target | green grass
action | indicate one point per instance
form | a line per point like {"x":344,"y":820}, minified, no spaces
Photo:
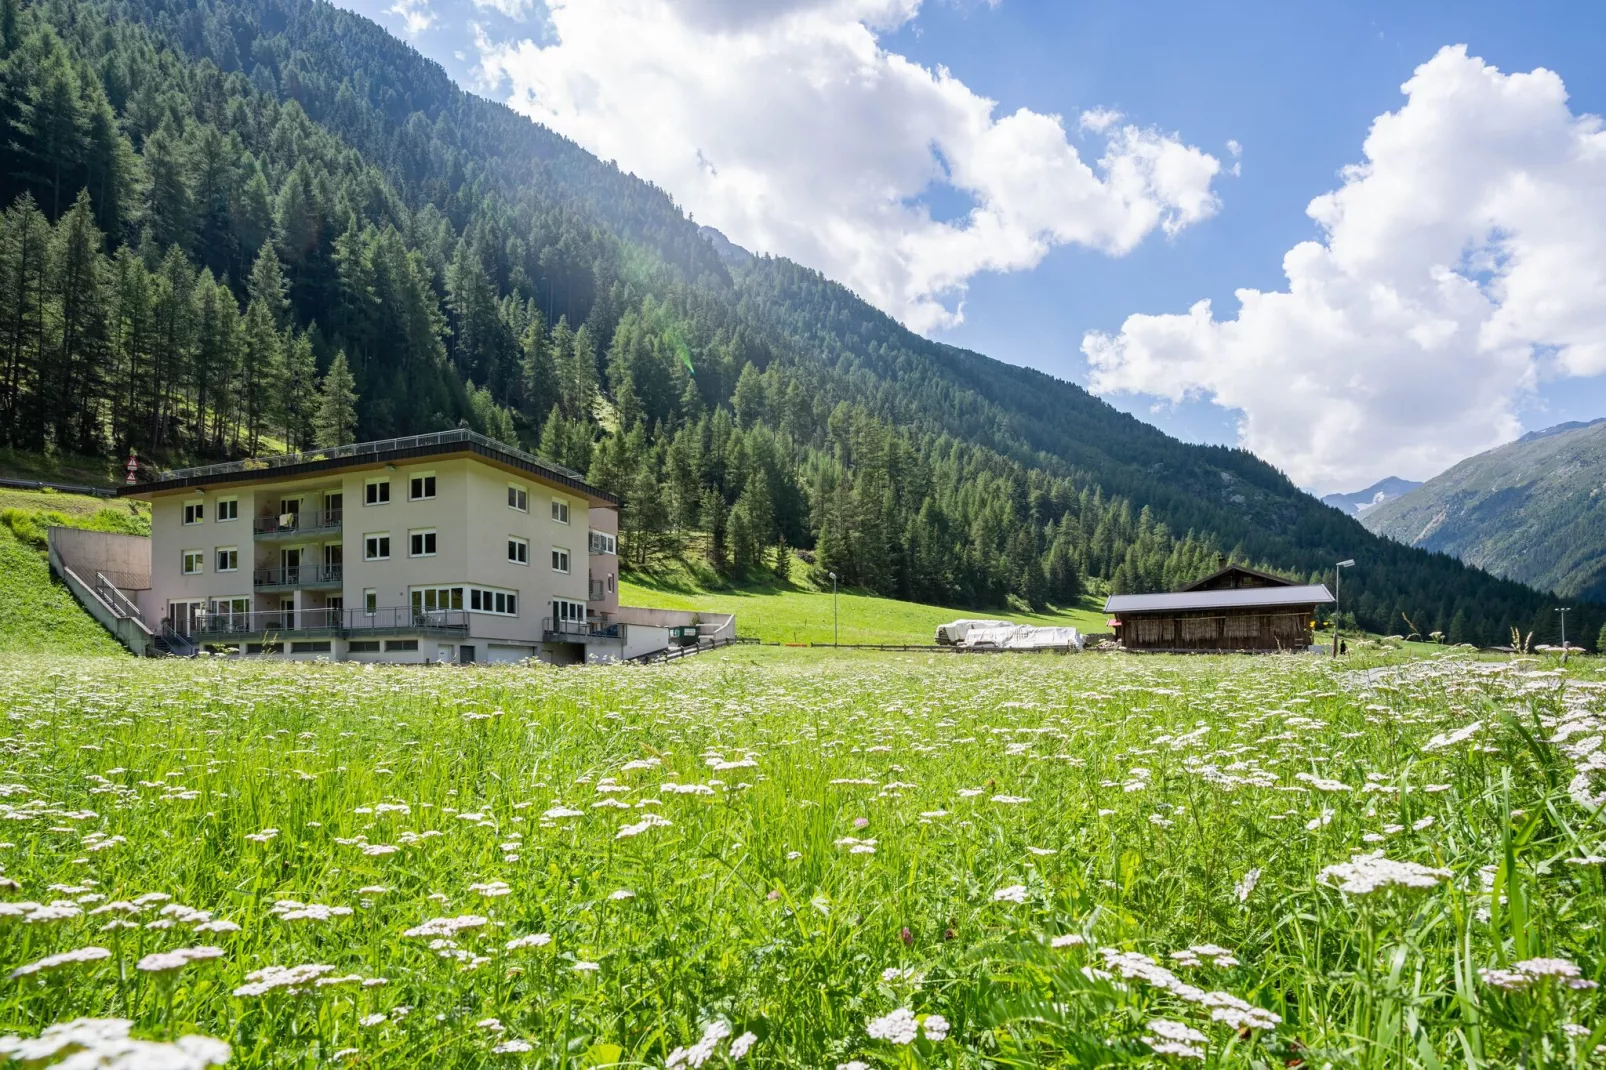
{"x":868,"y":833}
{"x":797,"y":612}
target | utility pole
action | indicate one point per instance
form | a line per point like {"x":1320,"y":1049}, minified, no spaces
{"x":1564,"y":611}
{"x":834,"y":641}
{"x":1338,"y":574}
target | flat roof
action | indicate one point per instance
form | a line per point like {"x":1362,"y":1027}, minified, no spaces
{"x":1241,"y":598}
{"x":358,"y":454}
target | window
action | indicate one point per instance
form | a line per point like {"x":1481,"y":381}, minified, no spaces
{"x":490,"y":600}
{"x":560,"y":560}
{"x":421,"y":487}
{"x":421,"y":543}
{"x":194,"y":562}
{"x":370,"y":601}
{"x":560,"y":511}
{"x":228,"y":559}
{"x":228,"y":509}
{"x":363,"y":646}
{"x":603,"y":543}
{"x":435,"y":599}
{"x":610,"y":583}
{"x":568,"y":612}
{"x":518,"y":550}
{"x":264,"y":648}
{"x":401,"y":644}
{"x":376,"y":547}
{"x":376,"y":492}
{"x":518,"y":498}
{"x":194,"y":512}
{"x":314,"y":646}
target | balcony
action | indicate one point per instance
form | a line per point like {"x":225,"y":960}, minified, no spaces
{"x":594,"y":592}
{"x":579,"y":631}
{"x":290,"y":525}
{"x":333,"y":623}
{"x":298,"y":577}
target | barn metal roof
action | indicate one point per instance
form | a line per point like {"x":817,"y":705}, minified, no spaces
{"x":1243,"y":598}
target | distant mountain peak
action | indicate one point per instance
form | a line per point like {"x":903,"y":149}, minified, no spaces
{"x":1570,"y":425}
{"x":1360,"y":502}
{"x":728,"y":251}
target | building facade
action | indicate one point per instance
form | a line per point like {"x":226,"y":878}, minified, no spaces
{"x":1233,"y":609}
{"x":436,"y":548}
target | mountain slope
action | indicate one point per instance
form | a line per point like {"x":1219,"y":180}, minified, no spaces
{"x":283,"y":207}
{"x":1361,"y":502}
{"x":1533,"y":511}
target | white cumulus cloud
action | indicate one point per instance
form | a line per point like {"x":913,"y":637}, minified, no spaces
{"x":1463,"y":260}
{"x":789,"y":127}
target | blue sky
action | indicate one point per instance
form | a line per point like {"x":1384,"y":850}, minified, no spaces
{"x":1296,"y":85}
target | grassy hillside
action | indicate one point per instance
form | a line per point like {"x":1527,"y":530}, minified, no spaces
{"x":37,"y":613}
{"x":1530,"y":511}
{"x":778,"y":611}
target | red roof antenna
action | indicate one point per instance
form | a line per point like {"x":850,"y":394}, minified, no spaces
{"x":132,"y":466}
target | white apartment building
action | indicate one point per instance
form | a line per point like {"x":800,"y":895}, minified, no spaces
{"x":446,"y":547}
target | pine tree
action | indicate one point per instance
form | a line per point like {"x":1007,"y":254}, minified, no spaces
{"x":298,"y":398}
{"x":336,"y":423}
{"x":716,"y":521}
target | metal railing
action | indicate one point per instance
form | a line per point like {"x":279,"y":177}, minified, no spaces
{"x":580,"y":630}
{"x":594,"y":591}
{"x":121,"y":605}
{"x":178,"y":643}
{"x":363,"y":449}
{"x":307,"y":523}
{"x":224,"y":624}
{"x":298,"y":576}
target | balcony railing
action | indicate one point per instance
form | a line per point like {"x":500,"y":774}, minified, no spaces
{"x":291,"y":576}
{"x":579,"y":631}
{"x":312,"y":522}
{"x":332,"y":622}
{"x":594,"y":592}
{"x":432,"y":440}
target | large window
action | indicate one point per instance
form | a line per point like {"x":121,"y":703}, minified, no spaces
{"x":435,"y":599}
{"x":376,"y":492}
{"x":560,"y":511}
{"x":518,"y":498}
{"x":228,"y":559}
{"x":228,"y":509}
{"x":421,"y":543}
{"x":518,"y":550}
{"x":603,"y":543}
{"x":560,"y":560}
{"x":421,"y":487}
{"x":376,"y":546}
{"x":194,"y":512}
{"x":566,"y":611}
{"x":194,"y":562}
{"x":491,"y":600}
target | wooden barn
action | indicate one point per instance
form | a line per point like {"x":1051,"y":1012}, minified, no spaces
{"x":1233,"y":609}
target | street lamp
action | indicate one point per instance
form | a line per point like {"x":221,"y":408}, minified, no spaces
{"x":1337,"y":586}
{"x":1563,"y":611}
{"x":833,"y":609}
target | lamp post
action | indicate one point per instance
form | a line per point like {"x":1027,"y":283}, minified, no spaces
{"x":1563,"y":611}
{"x":1338,"y":573}
{"x":833,"y":609}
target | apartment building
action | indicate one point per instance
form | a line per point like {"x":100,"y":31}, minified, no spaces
{"x":447,"y":547}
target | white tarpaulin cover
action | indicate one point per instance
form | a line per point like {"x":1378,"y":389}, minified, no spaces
{"x":1023,"y":637}
{"x":955,"y":631}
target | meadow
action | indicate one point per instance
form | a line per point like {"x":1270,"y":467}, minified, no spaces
{"x":792,"y":858}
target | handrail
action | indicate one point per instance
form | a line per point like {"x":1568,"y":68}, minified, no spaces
{"x":594,"y":591}
{"x":120,"y":604}
{"x":297,"y":575}
{"x":361,"y":449}
{"x":333,"y":621}
{"x":313,"y":520}
{"x":591,"y":628}
{"x":177,"y":642}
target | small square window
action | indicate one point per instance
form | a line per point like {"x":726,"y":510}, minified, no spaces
{"x":518,"y":498}
{"x":194,"y":562}
{"x":518,"y":550}
{"x":376,"y":547}
{"x":421,"y":488}
{"x":194,"y":512}
{"x":228,"y":559}
{"x":421,"y":544}
{"x":560,"y":560}
{"x":370,"y":601}
{"x":376,"y":492}
{"x":228,"y":509}
{"x":560,"y":511}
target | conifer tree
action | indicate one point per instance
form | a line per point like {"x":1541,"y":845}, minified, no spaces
{"x":336,"y":423}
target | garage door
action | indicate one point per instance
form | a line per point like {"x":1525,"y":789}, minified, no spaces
{"x":507,"y":653}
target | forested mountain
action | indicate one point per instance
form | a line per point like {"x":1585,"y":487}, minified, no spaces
{"x":1533,"y":510}
{"x":266,"y":224}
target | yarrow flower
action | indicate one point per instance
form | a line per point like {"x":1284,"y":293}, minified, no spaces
{"x":903,"y":1027}
{"x":1246,"y":885}
{"x":1170,"y":1037}
{"x":104,"y":1042}
{"x":1523,"y":975}
{"x":1368,"y":873}
{"x":172,"y":961}
{"x":65,"y":958}
{"x":1015,"y":893}
{"x":446,"y":926}
{"x":532,"y":940}
{"x":293,"y":980}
